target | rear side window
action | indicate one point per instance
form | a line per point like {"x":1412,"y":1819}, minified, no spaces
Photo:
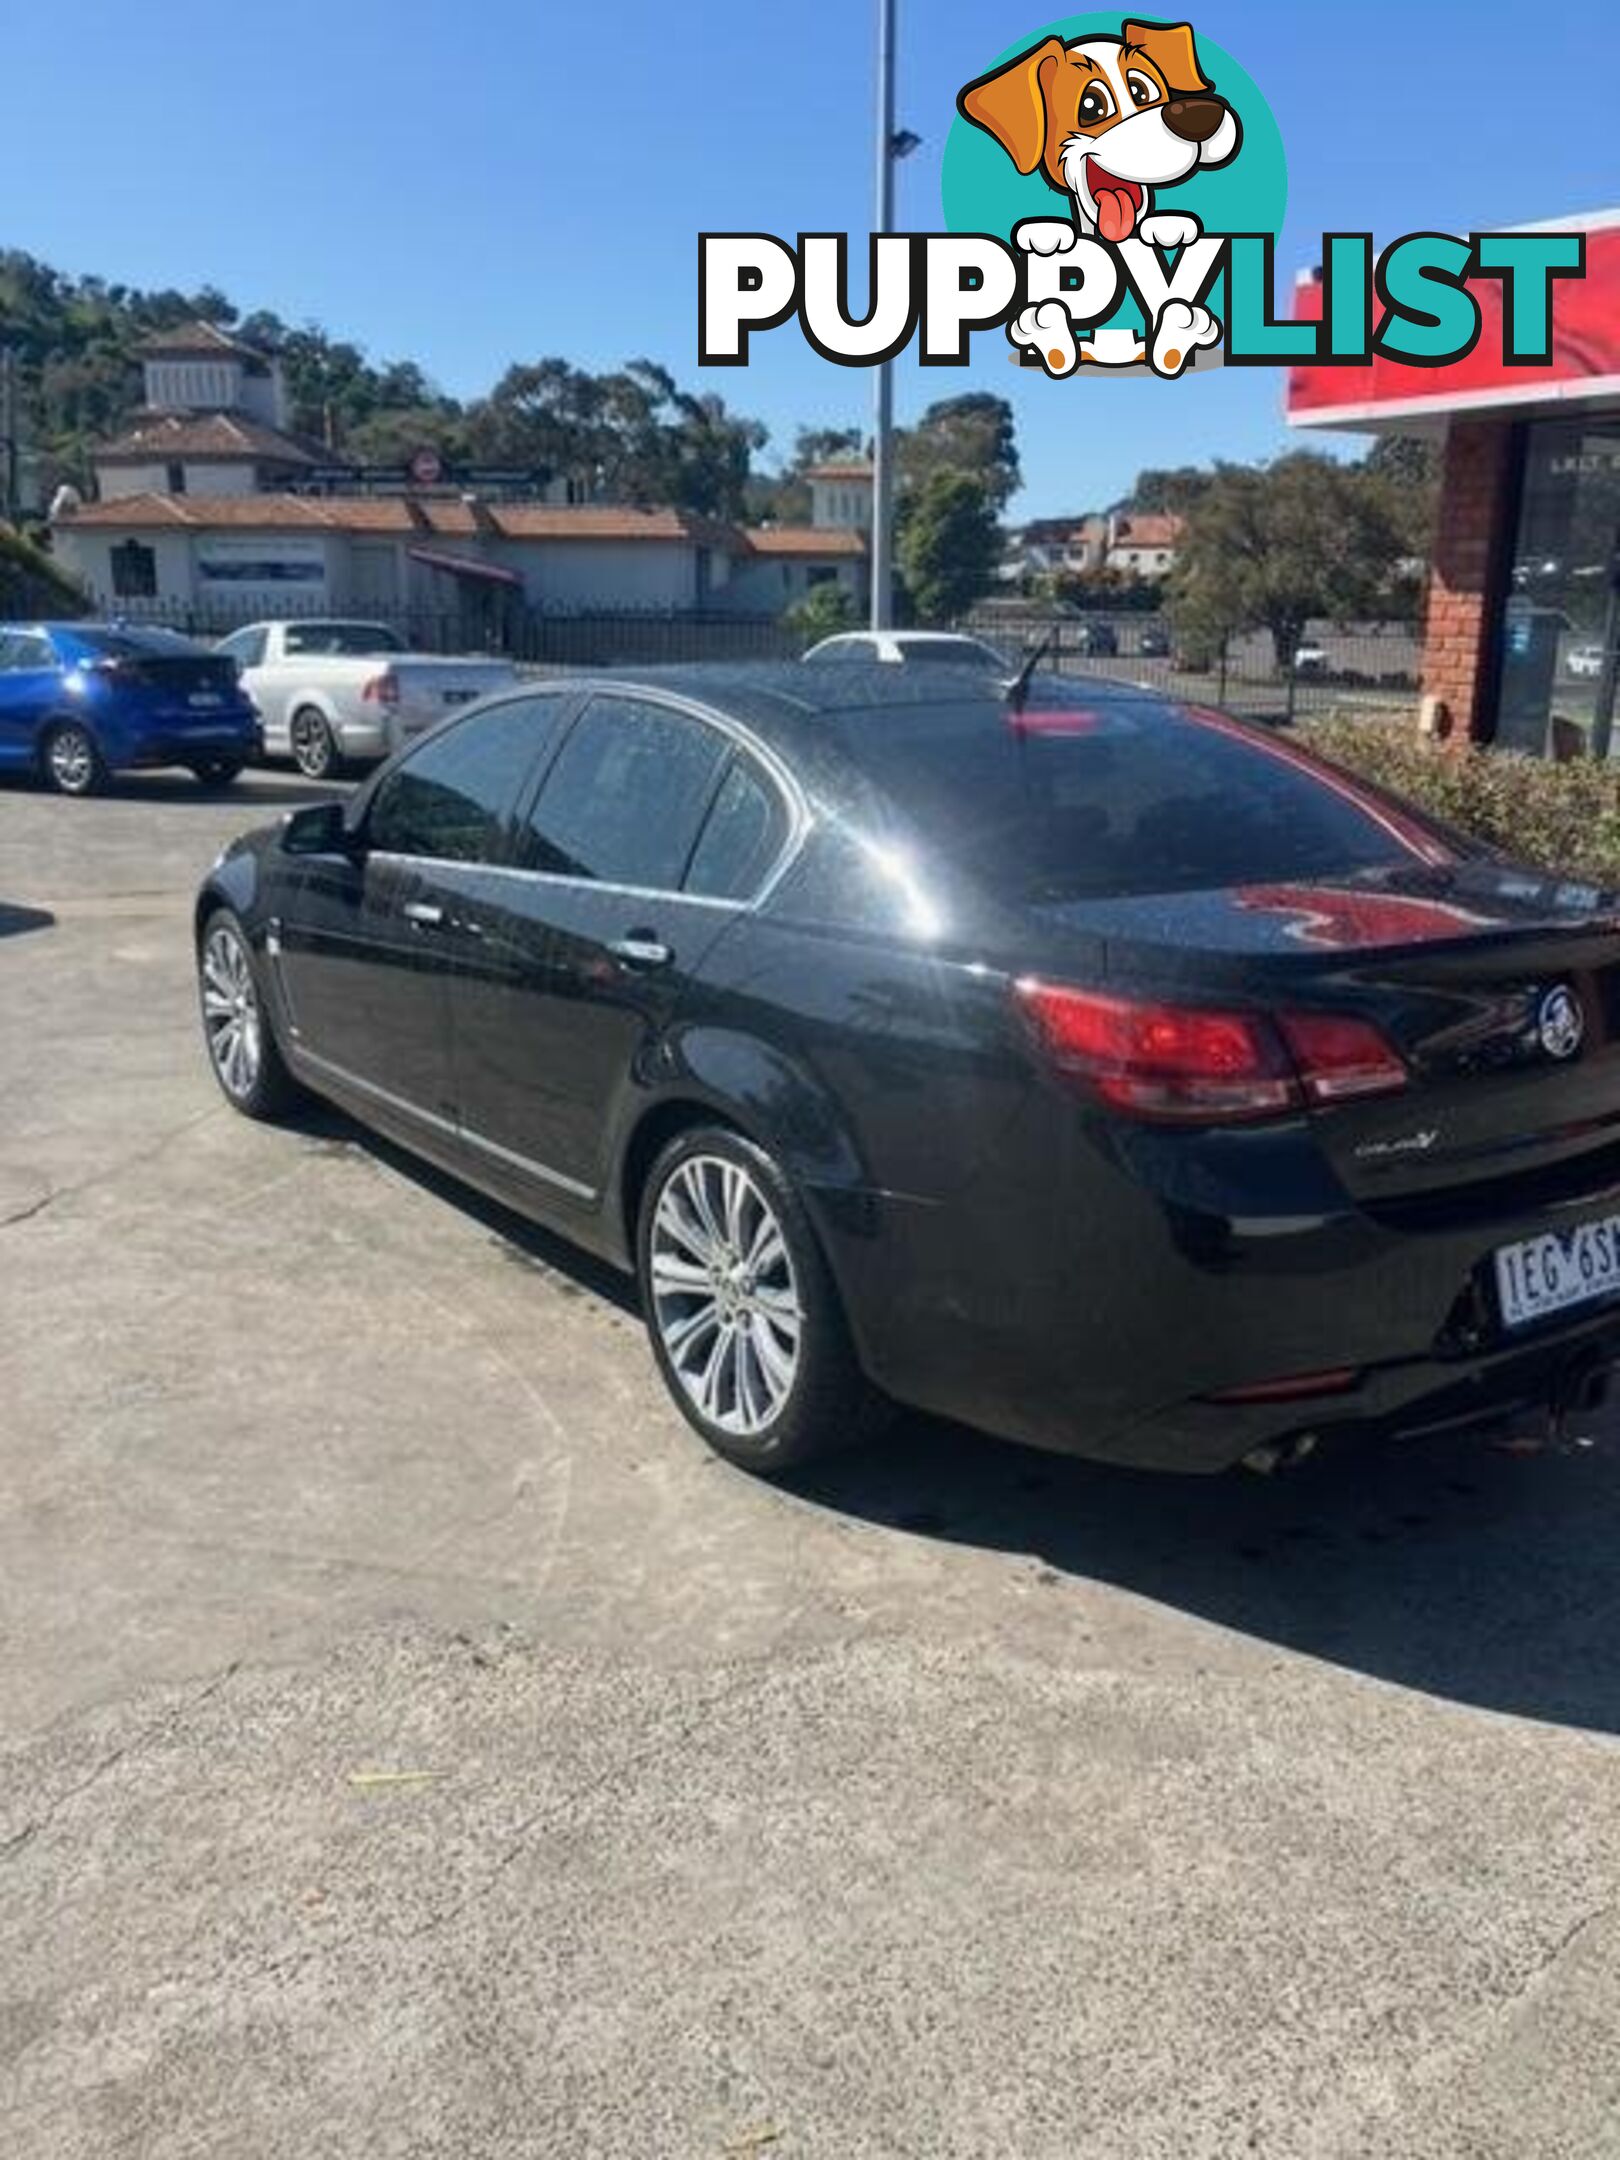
{"x":1076,"y":804}
{"x":351,"y":638}
{"x":454,"y":797}
{"x":24,"y":650}
{"x":741,"y":837}
{"x":627,"y":796}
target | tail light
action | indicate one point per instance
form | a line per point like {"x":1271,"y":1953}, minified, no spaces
{"x":1189,"y":1064}
{"x":382,"y":689}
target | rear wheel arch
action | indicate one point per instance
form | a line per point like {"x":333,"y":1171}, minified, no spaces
{"x":657,"y":1126}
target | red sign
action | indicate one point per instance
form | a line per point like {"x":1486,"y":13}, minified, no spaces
{"x":1585,"y":354}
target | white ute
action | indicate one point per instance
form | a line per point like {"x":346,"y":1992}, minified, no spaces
{"x":332,"y":692}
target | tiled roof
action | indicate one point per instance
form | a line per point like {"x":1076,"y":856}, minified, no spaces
{"x":806,"y":540}
{"x":199,"y":340}
{"x":402,"y":515}
{"x":840,"y":469}
{"x":1151,"y":530}
{"x":202,"y":435}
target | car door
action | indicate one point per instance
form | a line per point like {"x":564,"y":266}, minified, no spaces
{"x":373,"y":936}
{"x":589,"y":944}
{"x":30,"y":691}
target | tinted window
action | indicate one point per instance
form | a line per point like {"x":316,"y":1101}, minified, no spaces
{"x":1068,"y":804}
{"x":741,"y":838}
{"x":341,"y":637}
{"x":130,"y":644}
{"x":848,"y":649}
{"x":452,"y":797}
{"x":951,"y":652}
{"x":627,"y":795}
{"x":24,"y":649}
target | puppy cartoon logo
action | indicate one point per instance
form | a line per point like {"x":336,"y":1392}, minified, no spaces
{"x":1109,"y":121}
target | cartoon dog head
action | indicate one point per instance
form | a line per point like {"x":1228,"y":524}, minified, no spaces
{"x":1108,"y":119}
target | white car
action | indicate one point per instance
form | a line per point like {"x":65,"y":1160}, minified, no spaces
{"x":330,"y":692}
{"x":1584,"y":660}
{"x":907,"y":647}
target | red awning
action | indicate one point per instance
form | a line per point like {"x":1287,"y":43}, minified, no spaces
{"x":464,"y":566}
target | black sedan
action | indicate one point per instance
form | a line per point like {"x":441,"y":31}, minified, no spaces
{"x":1089,"y":1068}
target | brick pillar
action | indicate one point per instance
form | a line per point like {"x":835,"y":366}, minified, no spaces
{"x":1470,"y":538}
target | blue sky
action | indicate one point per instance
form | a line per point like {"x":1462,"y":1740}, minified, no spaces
{"x":464,"y":185}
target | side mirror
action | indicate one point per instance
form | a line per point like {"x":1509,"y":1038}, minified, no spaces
{"x":322,"y":829}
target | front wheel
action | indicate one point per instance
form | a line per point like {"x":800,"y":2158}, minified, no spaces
{"x":242,"y":1047}
{"x":741,"y":1308}
{"x":314,"y":749}
{"x":217,"y":772}
{"x":71,"y":762}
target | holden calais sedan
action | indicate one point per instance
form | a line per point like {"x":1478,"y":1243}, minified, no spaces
{"x":1095,"y":1070}
{"x":81,"y":701}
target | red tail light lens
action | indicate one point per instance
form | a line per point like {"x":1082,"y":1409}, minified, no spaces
{"x":1165,"y":1061}
{"x":1339,"y":1058}
{"x":382,"y":689}
{"x":1206,"y":1067}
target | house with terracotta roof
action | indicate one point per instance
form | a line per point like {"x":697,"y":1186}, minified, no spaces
{"x":222,"y":558}
{"x":213,"y":421}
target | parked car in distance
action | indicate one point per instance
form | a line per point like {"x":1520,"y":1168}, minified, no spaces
{"x":335,"y":693}
{"x":82,"y":701}
{"x":1092,"y":640}
{"x":1100,"y":1072}
{"x":1584,"y":660}
{"x":936,"y":648}
{"x":1310,"y":659}
{"x":1154,"y":643}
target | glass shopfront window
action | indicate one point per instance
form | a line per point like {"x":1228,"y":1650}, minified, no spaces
{"x":1561,"y":617}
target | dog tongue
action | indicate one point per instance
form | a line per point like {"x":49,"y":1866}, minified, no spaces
{"x":1116,"y":214}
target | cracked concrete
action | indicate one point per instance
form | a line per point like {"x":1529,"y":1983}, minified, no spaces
{"x":412,"y":1743}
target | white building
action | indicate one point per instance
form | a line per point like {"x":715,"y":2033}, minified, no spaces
{"x":213,"y":422}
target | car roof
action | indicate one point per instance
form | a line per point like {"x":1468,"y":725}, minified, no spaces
{"x":788,"y":705}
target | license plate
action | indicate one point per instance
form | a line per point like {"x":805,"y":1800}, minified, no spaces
{"x":1549,"y":1274}
{"x":457,"y":697}
{"x":205,"y":700}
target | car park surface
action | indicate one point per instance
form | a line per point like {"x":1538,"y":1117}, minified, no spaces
{"x":414,"y":1742}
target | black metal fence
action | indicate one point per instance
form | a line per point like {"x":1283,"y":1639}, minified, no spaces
{"x":1362,"y":665}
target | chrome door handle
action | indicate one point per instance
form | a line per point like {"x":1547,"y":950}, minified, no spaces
{"x":423,"y":912}
{"x":641,"y":951}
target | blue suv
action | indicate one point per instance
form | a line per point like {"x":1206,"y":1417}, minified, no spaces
{"x":80,"y":701}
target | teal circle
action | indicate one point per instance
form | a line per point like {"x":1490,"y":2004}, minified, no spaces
{"x":984,"y":192}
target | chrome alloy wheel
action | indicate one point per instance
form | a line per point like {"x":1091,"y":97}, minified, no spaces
{"x":72,"y":759}
{"x":311,"y":741}
{"x":725,"y":1299}
{"x":231,"y":1015}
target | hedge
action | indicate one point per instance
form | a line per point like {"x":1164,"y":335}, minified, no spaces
{"x":1563,"y":817}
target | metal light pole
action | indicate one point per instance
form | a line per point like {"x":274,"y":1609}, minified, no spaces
{"x":883,"y":385}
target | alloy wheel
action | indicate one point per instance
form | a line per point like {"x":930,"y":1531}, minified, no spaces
{"x":725,"y":1297}
{"x":311,"y":744}
{"x":231,"y":1014}
{"x":71,"y":756}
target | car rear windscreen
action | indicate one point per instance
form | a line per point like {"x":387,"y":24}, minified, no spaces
{"x":350,"y":639}
{"x":1067,"y":804}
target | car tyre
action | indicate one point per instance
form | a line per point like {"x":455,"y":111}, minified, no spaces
{"x":217,"y":772}
{"x":238,"y":1032}
{"x":314,"y":747}
{"x":741,"y":1308}
{"x":71,"y":760}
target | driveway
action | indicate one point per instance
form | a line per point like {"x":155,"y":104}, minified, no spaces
{"x":412,"y":1743}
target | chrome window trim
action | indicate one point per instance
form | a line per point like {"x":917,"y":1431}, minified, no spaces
{"x":800,"y":816}
{"x":449,"y":1126}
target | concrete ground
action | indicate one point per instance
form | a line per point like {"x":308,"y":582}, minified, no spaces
{"x":412,"y":1743}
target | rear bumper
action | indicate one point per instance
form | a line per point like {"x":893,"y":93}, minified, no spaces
{"x":182,"y":741}
{"x":1096,"y":1311}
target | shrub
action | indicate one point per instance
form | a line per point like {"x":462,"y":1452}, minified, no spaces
{"x":31,"y":584}
{"x":1565,"y":818}
{"x":823,"y":612}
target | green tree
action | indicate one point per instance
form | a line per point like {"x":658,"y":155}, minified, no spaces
{"x":823,"y":612}
{"x":1171,"y":488}
{"x":948,"y":545}
{"x":1269,"y":547}
{"x":973,"y":435}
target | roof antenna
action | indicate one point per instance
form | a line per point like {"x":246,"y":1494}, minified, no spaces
{"x":1017,"y":692}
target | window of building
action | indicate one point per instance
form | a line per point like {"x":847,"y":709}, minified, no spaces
{"x":1561,"y":616}
{"x":177,"y":479}
{"x":134,"y":571}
